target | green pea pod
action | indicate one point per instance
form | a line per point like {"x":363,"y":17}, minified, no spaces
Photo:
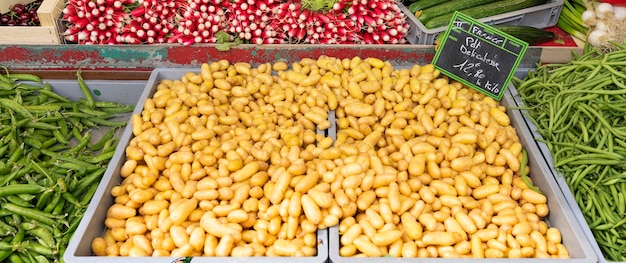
{"x":43,"y":199}
{"x":25,"y":86}
{"x":88,"y":180}
{"x":40,"y":125}
{"x":89,"y":194}
{"x":19,"y":236}
{"x":49,"y":142}
{"x":34,"y":214}
{"x":14,"y":199}
{"x":3,"y":150}
{"x":91,"y":111}
{"x":42,"y":171}
{"x":32,"y":142}
{"x":40,"y":249}
{"x":86,"y":92}
{"x":41,"y":259}
{"x":104,"y":157}
{"x":71,"y":199}
{"x":44,"y":236}
{"x":25,"y":77}
{"x":6,"y":130}
{"x":100,"y":144}
{"x":62,"y":124}
{"x":6,"y":85}
{"x":58,"y":208}
{"x":15,"y":107}
{"x":16,"y":258}
{"x":53,"y":95}
{"x":43,"y":98}
{"x":16,"y":189}
{"x":53,"y":201}
{"x":44,"y":108}
{"x":119,"y":109}
{"x":4,"y":78}
{"x":7,"y":228}
{"x":104,"y":122}
{"x":83,"y":142}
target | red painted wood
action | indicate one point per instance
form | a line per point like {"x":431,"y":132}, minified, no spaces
{"x":144,"y":58}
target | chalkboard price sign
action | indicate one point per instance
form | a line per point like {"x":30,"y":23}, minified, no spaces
{"x":478,"y":55}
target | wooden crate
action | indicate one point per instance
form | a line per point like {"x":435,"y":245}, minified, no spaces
{"x":561,"y":54}
{"x":48,"y":33}
{"x":5,"y":5}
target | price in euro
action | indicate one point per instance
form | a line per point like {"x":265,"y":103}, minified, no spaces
{"x":473,"y":71}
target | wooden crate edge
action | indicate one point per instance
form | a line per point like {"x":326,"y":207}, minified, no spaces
{"x":49,"y":12}
{"x":35,"y":35}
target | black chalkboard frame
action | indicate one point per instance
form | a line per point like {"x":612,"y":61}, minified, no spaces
{"x":478,"y":66}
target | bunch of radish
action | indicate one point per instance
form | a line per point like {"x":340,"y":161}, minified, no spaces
{"x":95,"y":22}
{"x":152,"y":21}
{"x":200,"y":20}
{"x":249,"y":21}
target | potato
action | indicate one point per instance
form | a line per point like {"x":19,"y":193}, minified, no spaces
{"x":228,"y":162}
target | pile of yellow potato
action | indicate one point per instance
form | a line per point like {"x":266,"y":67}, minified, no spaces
{"x":228,"y":162}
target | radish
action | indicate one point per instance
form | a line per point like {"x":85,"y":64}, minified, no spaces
{"x":94,"y":22}
{"x":201,"y":26}
{"x":258,"y":22}
{"x":254,"y":16}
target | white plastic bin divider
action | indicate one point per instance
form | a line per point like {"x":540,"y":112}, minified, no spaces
{"x":560,"y":180}
{"x":92,"y":225}
{"x":560,"y":216}
{"x":541,"y":16}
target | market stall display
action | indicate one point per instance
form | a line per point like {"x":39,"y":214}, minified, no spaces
{"x":305,"y":181}
{"x":312,"y":153}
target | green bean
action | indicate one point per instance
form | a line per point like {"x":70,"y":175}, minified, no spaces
{"x":523,"y":172}
{"x":579,"y":108}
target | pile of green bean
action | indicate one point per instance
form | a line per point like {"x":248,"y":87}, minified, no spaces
{"x":53,"y":153}
{"x":579,"y":108}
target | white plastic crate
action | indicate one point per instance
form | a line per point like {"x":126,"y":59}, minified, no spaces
{"x":560,"y":216}
{"x":540,"y":16}
{"x":92,"y":224}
